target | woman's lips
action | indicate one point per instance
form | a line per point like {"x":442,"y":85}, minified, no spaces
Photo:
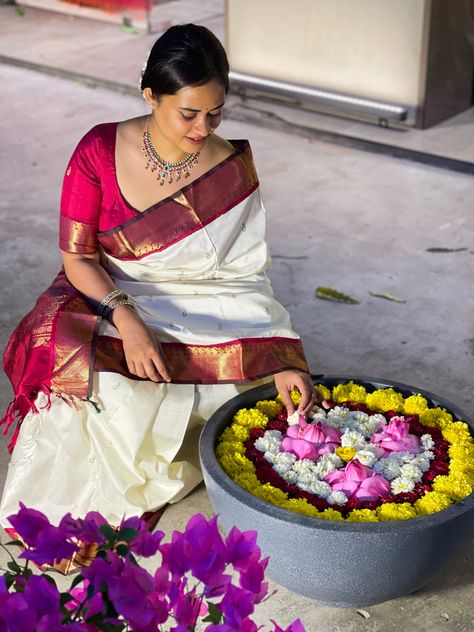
{"x":196,"y":141}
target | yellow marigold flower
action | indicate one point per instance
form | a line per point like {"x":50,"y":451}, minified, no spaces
{"x":385,"y":399}
{"x":463,"y":451}
{"x":271,"y":495}
{"x":346,"y":454}
{"x":300,"y":505}
{"x":362,"y":515}
{"x":330,"y":514}
{"x":235,"y":463}
{"x":437,"y":417}
{"x":250,"y":418}
{"x":456,"y":485}
{"x":457,"y":432}
{"x":432,"y":502}
{"x":235,"y":432}
{"x":415,"y":404}
{"x":396,"y":511}
{"x":325,"y":392}
{"x":229,"y":447}
{"x":295,"y":397}
{"x":248,"y":480}
{"x":269,"y":407}
{"x":463,"y":467}
{"x":349,"y":392}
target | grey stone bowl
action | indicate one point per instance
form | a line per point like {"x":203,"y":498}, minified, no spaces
{"x":338,"y":563}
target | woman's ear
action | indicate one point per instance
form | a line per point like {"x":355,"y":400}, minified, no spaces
{"x":149,"y":98}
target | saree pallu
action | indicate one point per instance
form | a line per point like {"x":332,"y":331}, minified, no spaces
{"x":195,"y":265}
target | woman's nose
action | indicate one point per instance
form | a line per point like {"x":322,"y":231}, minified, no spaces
{"x":201,"y":127}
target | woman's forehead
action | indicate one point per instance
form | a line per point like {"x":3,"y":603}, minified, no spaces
{"x":207,"y":97}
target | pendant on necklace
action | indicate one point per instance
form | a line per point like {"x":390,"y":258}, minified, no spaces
{"x":166,"y":171}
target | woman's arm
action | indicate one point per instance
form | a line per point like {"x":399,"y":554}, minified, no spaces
{"x":142,"y":349}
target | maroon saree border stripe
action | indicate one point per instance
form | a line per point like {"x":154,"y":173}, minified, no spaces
{"x":189,"y":210}
{"x":238,"y":360}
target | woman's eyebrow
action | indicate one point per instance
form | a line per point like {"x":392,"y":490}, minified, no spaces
{"x":212,"y":110}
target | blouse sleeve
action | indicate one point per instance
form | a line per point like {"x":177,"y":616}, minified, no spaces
{"x":81,"y":198}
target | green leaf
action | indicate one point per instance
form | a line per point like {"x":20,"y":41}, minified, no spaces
{"x":328,"y":294}
{"x":215,"y":615}
{"x":49,"y":579}
{"x":127,"y":534}
{"x":16,"y":543}
{"x":10,"y":579}
{"x":109,"y":532}
{"x":389,"y":297}
{"x":14,"y":567}
{"x":20,"y":11}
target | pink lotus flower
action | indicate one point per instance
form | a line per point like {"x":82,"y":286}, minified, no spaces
{"x":308,"y":441}
{"x":358,"y":481}
{"x":395,"y":437}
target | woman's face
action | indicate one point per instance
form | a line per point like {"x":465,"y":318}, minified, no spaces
{"x":186,"y":119}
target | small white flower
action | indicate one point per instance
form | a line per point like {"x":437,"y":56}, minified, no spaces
{"x":359,"y":416}
{"x":389,"y":468}
{"x":317,"y":416}
{"x":422,"y":462}
{"x":339,"y":411}
{"x":274,"y":434}
{"x":294,"y":419}
{"x":321,"y":489}
{"x":401,"y":484}
{"x":305,"y":465}
{"x":290,"y":476}
{"x":366,"y":457}
{"x":427,"y":442}
{"x":269,"y":456}
{"x":353,"y":439}
{"x":428,"y":454}
{"x":305,"y":478}
{"x":331,"y":457}
{"x":337,"y":498}
{"x":411,"y":471}
{"x":285,"y":459}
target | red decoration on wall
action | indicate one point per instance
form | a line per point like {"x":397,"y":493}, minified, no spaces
{"x":113,"y":6}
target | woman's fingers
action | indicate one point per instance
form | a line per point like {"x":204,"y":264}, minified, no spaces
{"x":151,"y":371}
{"x":305,"y":386}
{"x":160,"y":364}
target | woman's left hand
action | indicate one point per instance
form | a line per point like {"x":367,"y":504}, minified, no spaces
{"x":286,"y":381}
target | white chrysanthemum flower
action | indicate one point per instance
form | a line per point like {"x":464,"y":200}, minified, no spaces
{"x":411,"y":471}
{"x":422,"y":462}
{"x":290,"y":476}
{"x":293,"y":419}
{"x":366,"y":457}
{"x":428,"y":454}
{"x":337,"y":498}
{"x":305,"y":465}
{"x":377,"y":420}
{"x":304,"y":478}
{"x":359,"y":416}
{"x":317,"y":416}
{"x":321,"y":489}
{"x":274,"y":434}
{"x":401,"y":484}
{"x":323,"y":469}
{"x":285,"y":458}
{"x":389,"y":468}
{"x":339,"y":411}
{"x":427,"y":442}
{"x":353,"y":439}
{"x":331,"y":457}
{"x":269,"y":456}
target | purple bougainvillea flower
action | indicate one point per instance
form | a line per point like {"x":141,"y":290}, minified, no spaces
{"x":188,"y":608}
{"x":15,"y":614}
{"x":91,"y":606}
{"x":296,"y":626}
{"x":51,"y":545}
{"x":103,"y":571}
{"x":252,"y":579}
{"x":242,"y":548}
{"x":85,"y":529}
{"x":29,"y":523}
{"x":237,"y":604}
{"x":42,"y":596}
{"x":205,"y":550}
{"x":129,"y":594}
{"x":146,"y":544}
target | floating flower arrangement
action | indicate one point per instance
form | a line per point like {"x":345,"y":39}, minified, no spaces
{"x":358,"y":457}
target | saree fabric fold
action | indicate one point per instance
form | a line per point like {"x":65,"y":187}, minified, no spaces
{"x":195,"y":266}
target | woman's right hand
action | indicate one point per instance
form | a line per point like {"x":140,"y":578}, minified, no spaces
{"x":142,"y":349}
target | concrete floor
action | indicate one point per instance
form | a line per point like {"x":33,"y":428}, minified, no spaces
{"x":338,"y":217}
